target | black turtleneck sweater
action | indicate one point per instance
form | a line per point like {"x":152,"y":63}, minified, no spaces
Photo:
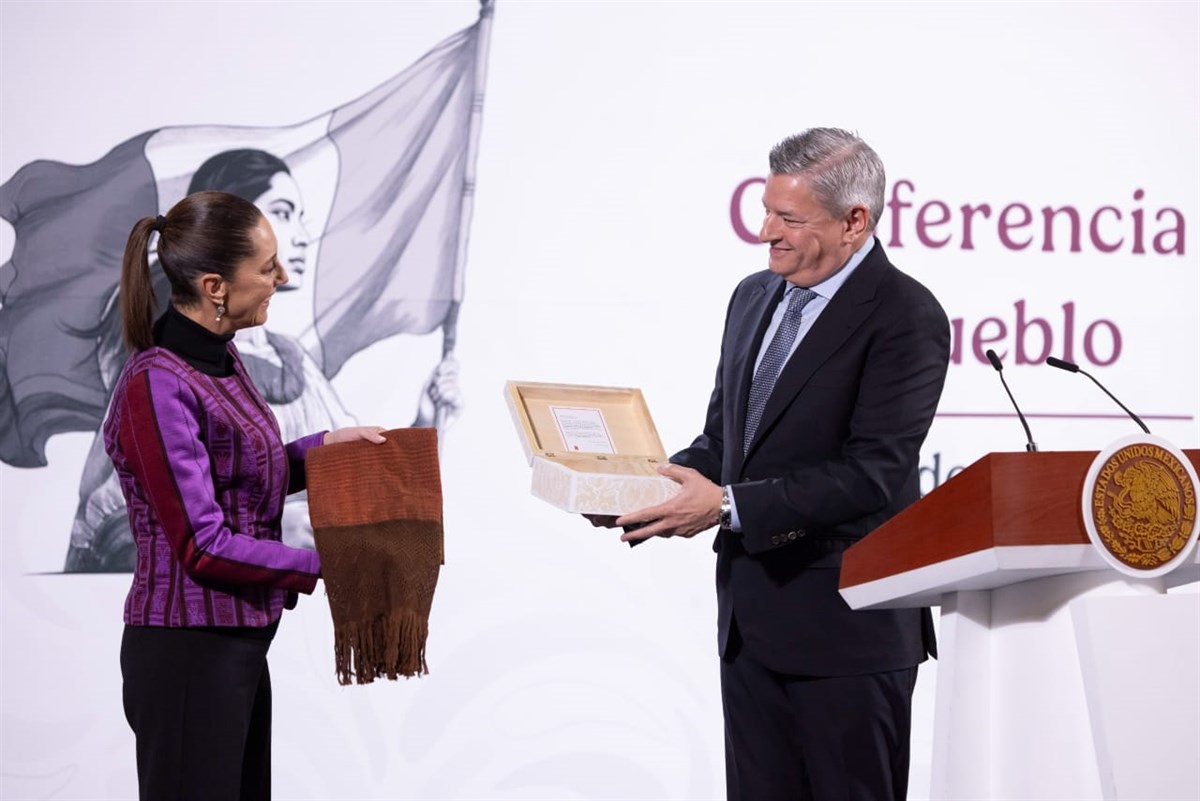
{"x":195,"y":344}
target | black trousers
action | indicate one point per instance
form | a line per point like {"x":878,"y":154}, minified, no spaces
{"x":804,"y":738}
{"x":199,"y":703}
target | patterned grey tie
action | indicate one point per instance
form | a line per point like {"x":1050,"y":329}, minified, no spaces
{"x":773,"y":360}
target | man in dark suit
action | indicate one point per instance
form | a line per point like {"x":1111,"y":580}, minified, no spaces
{"x":831,"y":367}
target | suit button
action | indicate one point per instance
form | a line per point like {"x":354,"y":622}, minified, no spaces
{"x":774,"y":539}
{"x":791,"y":535}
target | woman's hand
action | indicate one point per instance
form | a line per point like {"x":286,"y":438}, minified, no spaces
{"x":441,"y":400}
{"x":369,"y":433}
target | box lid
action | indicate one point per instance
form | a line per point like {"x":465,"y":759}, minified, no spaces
{"x":556,"y":420}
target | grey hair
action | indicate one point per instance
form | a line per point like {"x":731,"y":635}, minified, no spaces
{"x":841,"y":169}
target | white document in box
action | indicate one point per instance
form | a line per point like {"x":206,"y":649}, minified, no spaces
{"x":583,"y":429}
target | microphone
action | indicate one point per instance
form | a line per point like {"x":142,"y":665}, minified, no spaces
{"x":1030,"y":445}
{"x":1075,"y":368}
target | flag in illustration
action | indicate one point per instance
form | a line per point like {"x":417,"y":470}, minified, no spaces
{"x":388,"y":184}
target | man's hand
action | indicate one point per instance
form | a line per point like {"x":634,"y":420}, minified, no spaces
{"x":693,"y":510}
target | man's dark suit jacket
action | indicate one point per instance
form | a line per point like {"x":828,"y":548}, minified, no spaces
{"x":835,"y":455}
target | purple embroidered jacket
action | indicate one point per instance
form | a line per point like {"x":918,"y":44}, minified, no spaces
{"x":204,"y":473}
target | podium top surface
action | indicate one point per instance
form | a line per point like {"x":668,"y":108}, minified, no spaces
{"x":1001,"y":500}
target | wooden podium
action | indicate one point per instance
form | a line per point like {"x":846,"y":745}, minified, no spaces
{"x":1058,"y":677}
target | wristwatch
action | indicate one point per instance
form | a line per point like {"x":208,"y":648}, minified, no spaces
{"x":725,"y":516}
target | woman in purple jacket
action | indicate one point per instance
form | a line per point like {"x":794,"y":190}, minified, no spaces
{"x":204,"y":474}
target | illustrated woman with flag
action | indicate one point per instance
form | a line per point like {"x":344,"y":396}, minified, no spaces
{"x":393,"y":223}
{"x":204,"y":473}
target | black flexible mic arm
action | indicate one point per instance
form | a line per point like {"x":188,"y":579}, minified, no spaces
{"x":1070,"y":367}
{"x":1030,"y":445}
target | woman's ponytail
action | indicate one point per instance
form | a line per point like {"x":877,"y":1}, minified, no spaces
{"x":137,"y":290}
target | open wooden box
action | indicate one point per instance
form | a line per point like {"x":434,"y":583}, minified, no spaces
{"x":594,"y":450}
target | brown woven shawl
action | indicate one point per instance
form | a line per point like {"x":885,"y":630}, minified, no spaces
{"x":377,"y":517}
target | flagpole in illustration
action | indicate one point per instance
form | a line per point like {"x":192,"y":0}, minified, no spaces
{"x":450,"y":325}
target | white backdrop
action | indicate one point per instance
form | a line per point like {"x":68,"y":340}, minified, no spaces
{"x":563,"y":664}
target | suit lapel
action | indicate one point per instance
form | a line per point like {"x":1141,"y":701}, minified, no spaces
{"x":850,"y":307}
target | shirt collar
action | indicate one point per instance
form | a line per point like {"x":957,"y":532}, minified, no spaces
{"x":829,"y":287}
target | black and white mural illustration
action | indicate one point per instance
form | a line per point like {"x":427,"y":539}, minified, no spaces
{"x":371,"y":206}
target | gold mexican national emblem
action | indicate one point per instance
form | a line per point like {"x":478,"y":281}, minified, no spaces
{"x":1144,"y":505}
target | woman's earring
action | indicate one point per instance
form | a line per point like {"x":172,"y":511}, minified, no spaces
{"x":220,"y":311}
